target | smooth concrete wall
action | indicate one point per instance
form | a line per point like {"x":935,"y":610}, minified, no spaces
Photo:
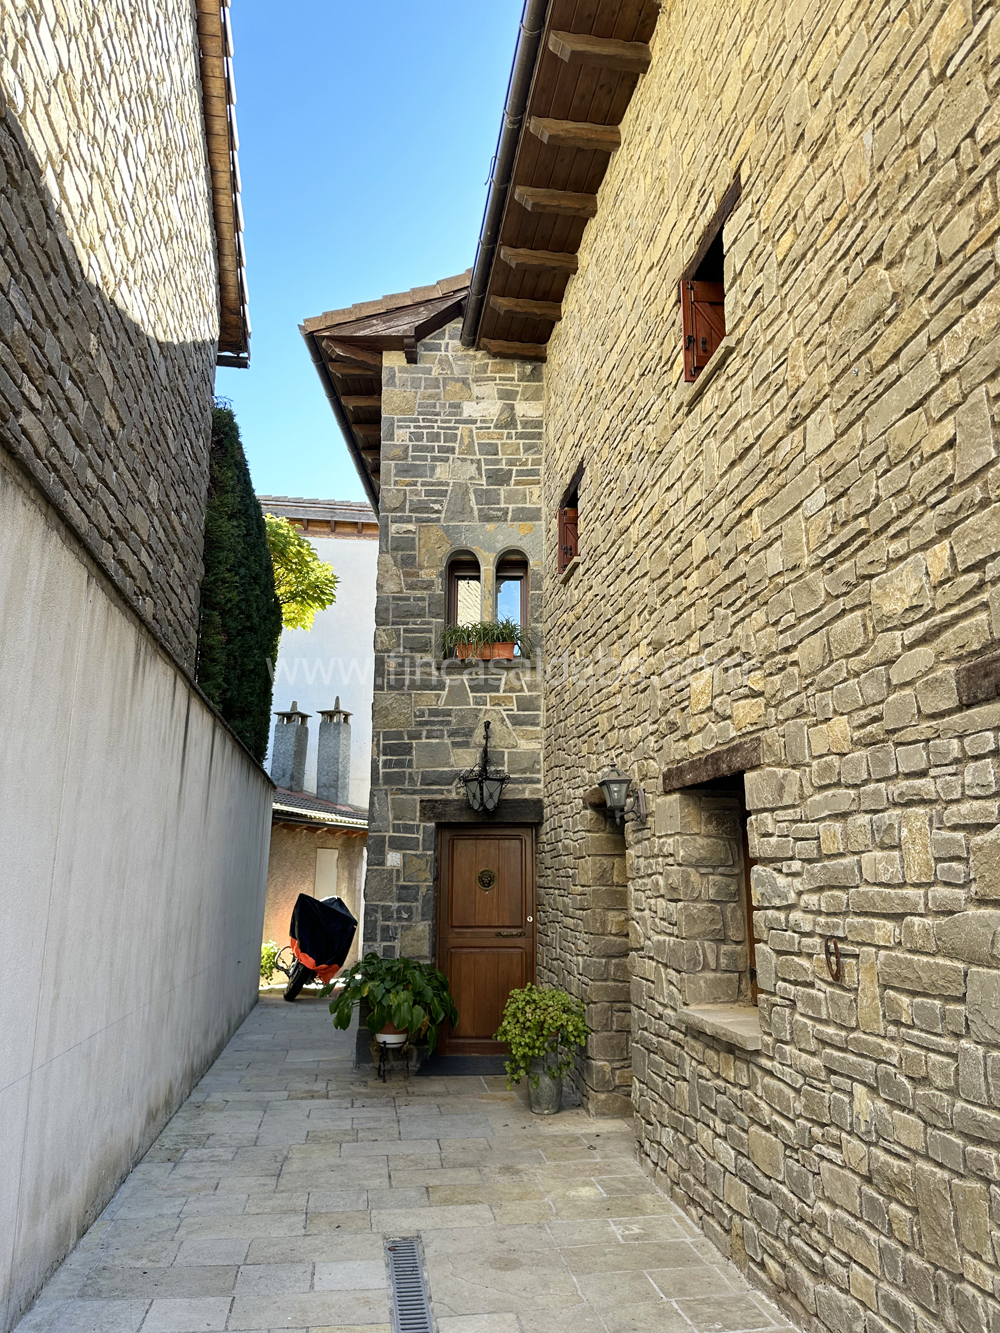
{"x":336,"y":657}
{"x":133,"y":847}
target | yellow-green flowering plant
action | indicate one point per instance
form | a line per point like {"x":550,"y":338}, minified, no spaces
{"x":268,"y":960}
{"x":545,"y":1024}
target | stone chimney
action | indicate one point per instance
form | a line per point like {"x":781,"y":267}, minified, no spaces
{"x":288,"y":754}
{"x":333,"y":764}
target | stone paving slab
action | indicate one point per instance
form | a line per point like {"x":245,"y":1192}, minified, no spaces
{"x":265,"y":1203}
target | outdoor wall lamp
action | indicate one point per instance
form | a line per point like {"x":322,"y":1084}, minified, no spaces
{"x":483,"y":785}
{"x":616,"y":787}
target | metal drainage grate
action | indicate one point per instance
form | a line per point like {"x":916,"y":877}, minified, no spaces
{"x":410,"y":1306}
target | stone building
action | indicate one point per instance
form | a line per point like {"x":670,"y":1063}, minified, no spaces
{"x":755,"y":249}
{"x":457,"y":483}
{"x":133,"y":824}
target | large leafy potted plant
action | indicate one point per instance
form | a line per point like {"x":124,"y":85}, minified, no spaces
{"x":404,"y":998}
{"x":487,"y":639}
{"x":542,"y":1027}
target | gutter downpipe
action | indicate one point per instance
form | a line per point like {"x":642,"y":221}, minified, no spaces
{"x":341,"y":417}
{"x":529,"y":38}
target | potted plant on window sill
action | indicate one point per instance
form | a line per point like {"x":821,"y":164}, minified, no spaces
{"x":542,"y":1028}
{"x":486,"y":640}
{"x":407,"y":1000}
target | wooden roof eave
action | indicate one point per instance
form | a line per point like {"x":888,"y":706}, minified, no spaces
{"x":221,"y":144}
{"x":342,"y":419}
{"x":566,"y":131}
{"x":352,"y":350}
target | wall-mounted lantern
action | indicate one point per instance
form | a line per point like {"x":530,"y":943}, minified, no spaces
{"x":621,"y":799}
{"x":483,"y":785}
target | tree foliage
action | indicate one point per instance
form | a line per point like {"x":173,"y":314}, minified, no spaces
{"x":303,"y":582}
{"x":240,"y":613}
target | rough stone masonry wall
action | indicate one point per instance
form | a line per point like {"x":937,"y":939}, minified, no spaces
{"x":805,"y":548}
{"x":108,"y":290}
{"x":461,"y":470}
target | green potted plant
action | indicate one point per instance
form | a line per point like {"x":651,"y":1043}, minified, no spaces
{"x":487,"y":639}
{"x":542,"y":1027}
{"x":406,"y":1000}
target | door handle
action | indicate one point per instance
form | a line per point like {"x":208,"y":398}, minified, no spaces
{"x":510,"y":934}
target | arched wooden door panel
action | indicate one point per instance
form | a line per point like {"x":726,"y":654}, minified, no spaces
{"x":485,"y":926}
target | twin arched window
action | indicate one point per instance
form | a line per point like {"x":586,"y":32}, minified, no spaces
{"x":465,"y":589}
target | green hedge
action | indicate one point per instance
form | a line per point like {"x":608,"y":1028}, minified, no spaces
{"x":240,"y":612}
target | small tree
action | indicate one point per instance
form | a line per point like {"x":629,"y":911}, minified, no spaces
{"x":303,"y":582}
{"x":240,"y":615}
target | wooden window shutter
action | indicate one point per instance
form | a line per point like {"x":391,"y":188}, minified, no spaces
{"x":569,"y":544}
{"x":703,"y":320}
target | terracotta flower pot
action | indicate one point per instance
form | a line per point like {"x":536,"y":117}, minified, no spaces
{"x":485,"y":652}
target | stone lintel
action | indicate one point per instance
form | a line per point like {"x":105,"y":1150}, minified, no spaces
{"x":722,"y":763}
{"x":520,"y":810}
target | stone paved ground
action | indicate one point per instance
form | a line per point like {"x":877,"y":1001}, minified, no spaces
{"x":264,"y":1203}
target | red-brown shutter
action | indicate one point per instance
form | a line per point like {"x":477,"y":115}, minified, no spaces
{"x":568,"y":539}
{"x":703,"y":320}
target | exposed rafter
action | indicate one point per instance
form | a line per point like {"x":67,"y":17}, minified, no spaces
{"x":519,"y":305}
{"x":566,"y":203}
{"x":556,"y":144}
{"x":551,"y":261}
{"x":576,"y":134}
{"x":579,"y":48}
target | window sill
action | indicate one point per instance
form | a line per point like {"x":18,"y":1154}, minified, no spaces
{"x":739,"y":1024}
{"x":570,"y":570}
{"x":690,"y":393}
{"x":466,"y":663}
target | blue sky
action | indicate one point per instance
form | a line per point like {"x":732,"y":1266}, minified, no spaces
{"x":366,"y":133}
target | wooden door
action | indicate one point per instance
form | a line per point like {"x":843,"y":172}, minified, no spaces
{"x":486,"y":927}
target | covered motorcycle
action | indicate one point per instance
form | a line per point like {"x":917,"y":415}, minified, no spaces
{"x":321,"y":933}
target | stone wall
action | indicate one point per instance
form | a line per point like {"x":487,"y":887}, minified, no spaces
{"x":108,"y":288}
{"x":803,"y":546}
{"x":461,"y":471}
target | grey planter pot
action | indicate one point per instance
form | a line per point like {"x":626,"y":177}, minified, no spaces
{"x":546,"y":1097}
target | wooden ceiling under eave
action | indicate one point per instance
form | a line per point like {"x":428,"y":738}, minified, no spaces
{"x":585,"y":86}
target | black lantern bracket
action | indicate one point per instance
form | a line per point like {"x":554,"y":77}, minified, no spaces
{"x":484,"y":785}
{"x":623,"y":798}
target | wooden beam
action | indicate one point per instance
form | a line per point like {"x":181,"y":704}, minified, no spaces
{"x":564,"y":202}
{"x":579,"y":48}
{"x":553,"y":261}
{"x":524,"y":351}
{"x":519,"y":305}
{"x":351,"y":370}
{"x":361,"y":400}
{"x":353,"y":352}
{"x":371,"y":430}
{"x":576,"y":134}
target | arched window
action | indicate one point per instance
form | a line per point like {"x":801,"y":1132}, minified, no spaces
{"x":512,"y":588}
{"x":465,"y":589}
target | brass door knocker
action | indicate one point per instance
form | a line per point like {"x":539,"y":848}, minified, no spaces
{"x":486,"y":879}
